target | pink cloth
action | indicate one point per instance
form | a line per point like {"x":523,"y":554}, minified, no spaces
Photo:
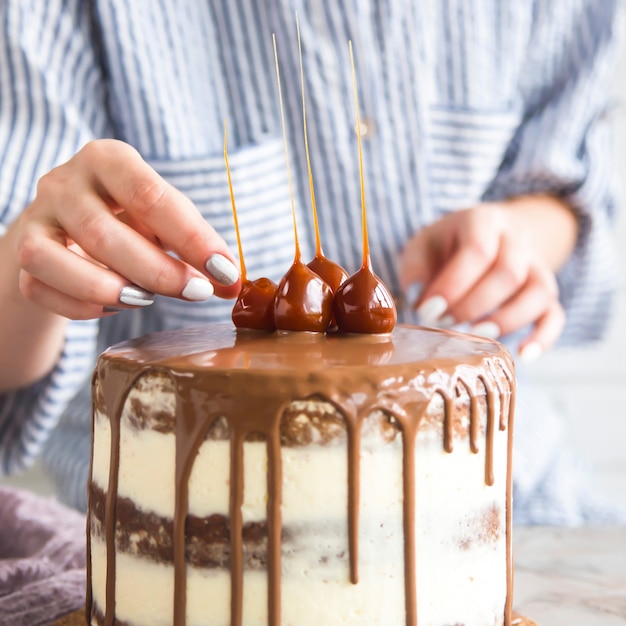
{"x":42,"y":559}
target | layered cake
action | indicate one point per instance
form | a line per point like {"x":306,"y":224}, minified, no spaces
{"x":255,"y":479}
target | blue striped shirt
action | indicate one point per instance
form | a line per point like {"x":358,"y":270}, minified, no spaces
{"x":464,"y":101}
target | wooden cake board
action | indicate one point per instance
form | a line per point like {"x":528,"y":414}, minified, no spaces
{"x":78,"y":619}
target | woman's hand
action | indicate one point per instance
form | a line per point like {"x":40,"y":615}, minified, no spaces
{"x":493,"y":266}
{"x":96,"y":239}
{"x":97,"y":234}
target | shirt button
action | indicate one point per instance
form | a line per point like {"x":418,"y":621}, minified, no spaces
{"x":367,"y":129}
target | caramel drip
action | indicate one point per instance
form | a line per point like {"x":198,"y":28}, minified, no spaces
{"x":209,"y":393}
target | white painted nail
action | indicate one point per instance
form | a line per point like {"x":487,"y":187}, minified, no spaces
{"x":136,"y":296}
{"x":446,"y":322}
{"x":222,"y":270}
{"x":530,"y":352}
{"x":489,"y":330}
{"x":430,"y":311}
{"x":197,"y":289}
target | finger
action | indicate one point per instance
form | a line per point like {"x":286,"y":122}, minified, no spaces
{"x":457,"y":277}
{"x":530,"y":303}
{"x":501,"y":281}
{"x":103,"y":237}
{"x":167,"y":212}
{"x":43,"y":254}
{"x":58,"y":302}
{"x":545,"y":334}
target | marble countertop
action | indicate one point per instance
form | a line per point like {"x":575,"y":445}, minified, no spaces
{"x":571,"y":577}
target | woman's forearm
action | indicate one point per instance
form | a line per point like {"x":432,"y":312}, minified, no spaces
{"x":31,"y":337}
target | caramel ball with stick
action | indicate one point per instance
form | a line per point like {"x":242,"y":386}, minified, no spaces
{"x":363,"y":303}
{"x":304,"y":302}
{"x":254,"y":308}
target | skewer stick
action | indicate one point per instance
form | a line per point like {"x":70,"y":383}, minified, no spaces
{"x":318,"y":241}
{"x":282,"y":118}
{"x":232,"y":202}
{"x":366,"y":248}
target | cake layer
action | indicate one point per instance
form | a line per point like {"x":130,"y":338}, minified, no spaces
{"x":454,"y":586}
{"x":148,"y":457}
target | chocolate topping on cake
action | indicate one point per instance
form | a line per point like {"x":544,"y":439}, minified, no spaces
{"x":293,"y":390}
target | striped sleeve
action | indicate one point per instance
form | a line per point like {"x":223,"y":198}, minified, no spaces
{"x":52,"y":96}
{"x":563,"y":148}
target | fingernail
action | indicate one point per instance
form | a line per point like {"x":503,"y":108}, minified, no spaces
{"x":197,"y":289}
{"x":136,"y":296}
{"x":222,"y":270}
{"x":447,"y":321}
{"x":530,"y":352}
{"x":489,"y":330}
{"x":431,"y":310}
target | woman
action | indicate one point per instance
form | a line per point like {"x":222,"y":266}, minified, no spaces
{"x":485,"y":150}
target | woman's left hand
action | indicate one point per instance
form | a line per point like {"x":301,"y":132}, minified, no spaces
{"x":493,"y":266}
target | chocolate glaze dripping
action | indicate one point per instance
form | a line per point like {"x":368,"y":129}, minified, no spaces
{"x":111,"y":382}
{"x":205,"y":396}
{"x":490,"y":432}
{"x":354,"y":494}
{"x":190,"y":433}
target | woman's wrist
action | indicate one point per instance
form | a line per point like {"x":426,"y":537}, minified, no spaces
{"x":550,"y":223}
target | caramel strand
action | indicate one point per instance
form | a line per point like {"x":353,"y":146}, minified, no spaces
{"x":242,"y":263}
{"x":285,"y":142}
{"x":318,"y":240}
{"x":366,"y":262}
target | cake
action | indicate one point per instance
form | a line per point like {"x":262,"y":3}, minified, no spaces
{"x":254,"y":479}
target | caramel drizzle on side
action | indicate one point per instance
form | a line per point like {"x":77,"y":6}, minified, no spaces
{"x":193,"y":421}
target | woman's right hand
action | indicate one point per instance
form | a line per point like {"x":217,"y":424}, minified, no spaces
{"x":97,"y":235}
